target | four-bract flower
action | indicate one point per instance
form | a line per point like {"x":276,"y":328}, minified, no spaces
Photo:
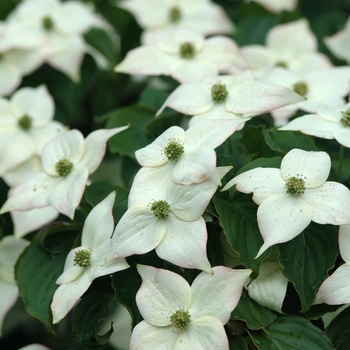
{"x":228,"y":97}
{"x":179,"y":316}
{"x":291,"y":197}
{"x":67,"y":162}
{"x":189,"y":153}
{"x":26,"y":123}
{"x":329,"y":123}
{"x":183,"y":54}
{"x":84,"y":264}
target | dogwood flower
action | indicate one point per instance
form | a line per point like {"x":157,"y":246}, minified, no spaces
{"x":335,"y":290}
{"x":338,"y":42}
{"x":10,"y":250}
{"x":67,"y":161}
{"x":190,"y":154}
{"x":285,"y":49}
{"x":177,"y":315}
{"x":328,"y":123}
{"x":183,"y":54}
{"x":84,"y":264}
{"x":291,"y":197}
{"x":166,"y":217}
{"x":26,"y":123}
{"x":34,"y":347}
{"x":233,"y":95}
{"x":201,"y":15}
{"x":277,"y":5}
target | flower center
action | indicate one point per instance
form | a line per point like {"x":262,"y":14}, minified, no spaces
{"x":160,"y":209}
{"x":180,"y":319}
{"x":219,"y":92}
{"x":25,"y":123}
{"x":174,"y":14}
{"x":47,"y":24}
{"x":174,"y":150}
{"x":82,"y":257}
{"x":187,"y":50}
{"x":282,"y":64}
{"x":295,"y":185}
{"x":345,"y":117}
{"x":64,"y":167}
{"x":300,"y":88}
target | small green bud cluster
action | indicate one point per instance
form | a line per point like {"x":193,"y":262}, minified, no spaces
{"x":187,"y":50}
{"x":345,"y":117}
{"x":64,"y":167}
{"x":47,"y":24}
{"x":25,"y":122}
{"x":281,"y":64}
{"x":180,"y":319}
{"x":160,"y":209}
{"x":300,"y":88}
{"x":219,"y":92}
{"x":82,"y":257}
{"x":174,"y":14}
{"x":174,"y":150}
{"x":295,"y":185}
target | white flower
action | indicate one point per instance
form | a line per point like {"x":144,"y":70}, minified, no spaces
{"x":189,"y":153}
{"x":177,"y":315}
{"x":277,"y":5}
{"x":26,"y":125}
{"x":329,"y":123}
{"x":10,"y":250}
{"x":228,"y":97}
{"x":84,"y":264}
{"x":335,"y":290}
{"x":183,"y":54}
{"x":67,"y":161}
{"x":338,"y":43}
{"x":200,"y":15}
{"x":34,"y":347}
{"x":284,"y":48}
{"x":291,"y":197}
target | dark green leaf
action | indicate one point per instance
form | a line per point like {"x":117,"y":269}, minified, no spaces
{"x":338,"y":330}
{"x":153,"y":98}
{"x":307,"y":258}
{"x":238,"y":343}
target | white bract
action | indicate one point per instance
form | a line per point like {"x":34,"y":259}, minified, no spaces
{"x":201,"y":15}
{"x":277,"y":5}
{"x":183,"y":54}
{"x":179,"y":316}
{"x":228,"y":97}
{"x":26,"y":123}
{"x":84,"y":264}
{"x":10,"y":250}
{"x":67,"y":162}
{"x":291,"y":197}
{"x":329,"y":123}
{"x":190,"y":154}
{"x":335,"y":290}
{"x":338,"y":43}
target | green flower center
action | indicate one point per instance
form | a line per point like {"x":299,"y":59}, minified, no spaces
{"x":187,"y":50}
{"x":219,"y":92}
{"x":64,"y":167}
{"x":300,"y":88}
{"x":295,"y":185}
{"x":82,"y":257}
{"x":174,"y":14}
{"x":47,"y":24}
{"x":180,"y":319}
{"x":345,"y":117}
{"x":174,"y":150}
{"x":282,"y":64}
{"x":160,"y":209}
{"x":25,"y":123}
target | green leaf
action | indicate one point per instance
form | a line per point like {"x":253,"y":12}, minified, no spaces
{"x":290,"y":332}
{"x":153,"y":98}
{"x":90,"y":311}
{"x":239,"y":222}
{"x":255,"y":141}
{"x":238,"y":343}
{"x":338,"y":330}
{"x":307,"y":258}
{"x":40,"y":265}
{"x":274,"y":162}
{"x":102,"y":42}
{"x":253,"y":314}
{"x":134,"y":138}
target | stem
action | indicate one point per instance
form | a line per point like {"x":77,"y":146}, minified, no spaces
{"x":340,"y":163}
